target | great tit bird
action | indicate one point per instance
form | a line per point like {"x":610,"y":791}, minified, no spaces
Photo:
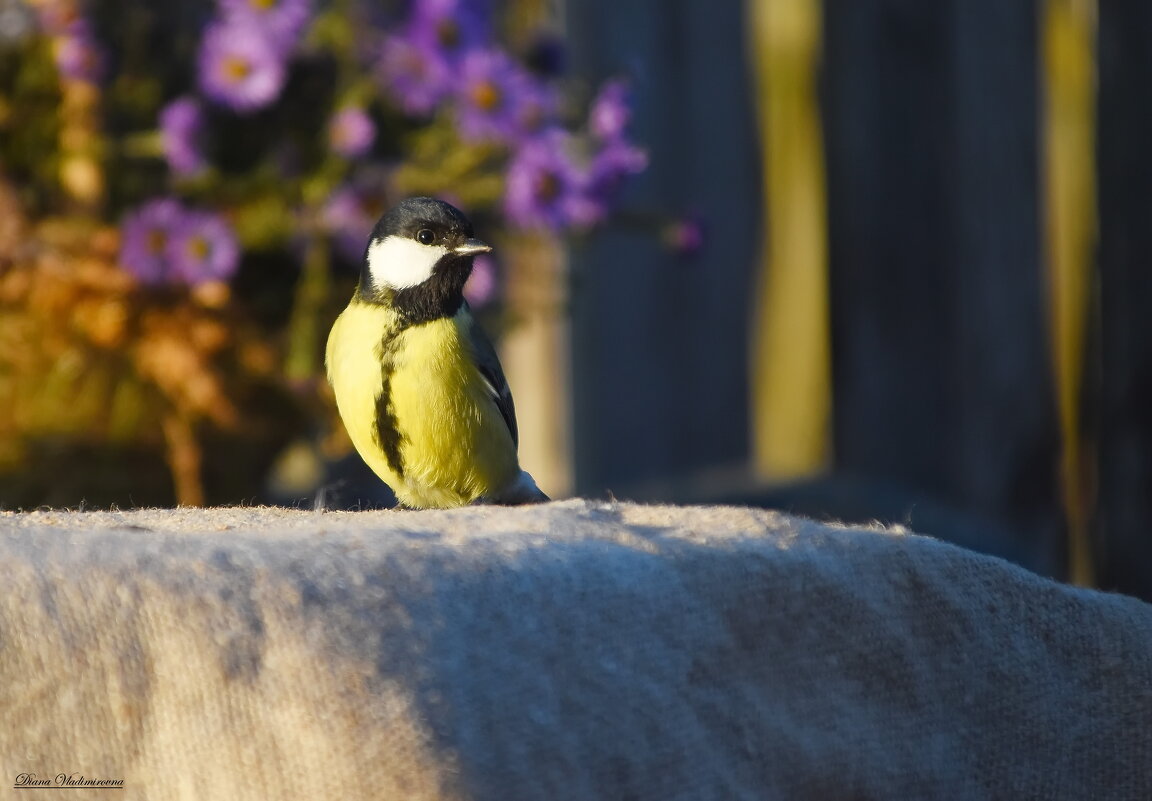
{"x":417,"y":383}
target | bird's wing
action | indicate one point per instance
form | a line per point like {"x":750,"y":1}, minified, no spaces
{"x":489,"y":366}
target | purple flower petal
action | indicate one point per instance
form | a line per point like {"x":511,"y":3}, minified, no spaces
{"x":536,"y":111}
{"x":610,"y":113}
{"x":345,"y":217}
{"x":145,"y":235}
{"x":616,"y":158}
{"x":182,"y":128}
{"x":685,"y":236}
{"x":351,"y":132}
{"x":239,"y":66}
{"x":203,"y":248}
{"x":76,"y":54}
{"x":481,"y":287}
{"x":417,"y":76}
{"x":614,"y":162}
{"x":545,"y":189}
{"x":451,"y":27}
{"x":281,"y":20}
{"x":490,"y":91}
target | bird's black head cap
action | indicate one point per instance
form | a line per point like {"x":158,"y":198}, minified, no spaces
{"x":430,"y":223}
{"x":408,"y":217}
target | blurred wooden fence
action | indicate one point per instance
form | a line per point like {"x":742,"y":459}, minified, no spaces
{"x":928,"y":313}
{"x":1121,"y":383}
{"x":659,"y":345}
{"x":941,"y":367}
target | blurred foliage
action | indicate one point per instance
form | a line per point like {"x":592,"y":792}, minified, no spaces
{"x":98,"y":382}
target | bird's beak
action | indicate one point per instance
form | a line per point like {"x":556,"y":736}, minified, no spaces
{"x":470,"y":247}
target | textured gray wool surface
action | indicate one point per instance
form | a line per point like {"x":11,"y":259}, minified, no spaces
{"x":574,"y":650}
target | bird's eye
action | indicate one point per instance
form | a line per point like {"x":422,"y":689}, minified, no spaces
{"x":425,"y":236}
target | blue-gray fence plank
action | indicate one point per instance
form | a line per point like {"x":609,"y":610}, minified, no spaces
{"x":660,"y":344}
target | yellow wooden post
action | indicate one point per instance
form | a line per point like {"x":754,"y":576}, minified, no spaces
{"x":534,"y":353}
{"x":1069,"y":70}
{"x":790,"y":370}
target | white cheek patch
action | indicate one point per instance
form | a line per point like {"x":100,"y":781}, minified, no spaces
{"x":399,"y":262}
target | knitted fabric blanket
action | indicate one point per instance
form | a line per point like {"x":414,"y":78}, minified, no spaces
{"x":574,"y":650}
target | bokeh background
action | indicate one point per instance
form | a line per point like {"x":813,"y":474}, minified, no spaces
{"x":858,"y":259}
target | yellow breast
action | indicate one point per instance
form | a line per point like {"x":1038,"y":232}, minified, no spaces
{"x":452,"y":445}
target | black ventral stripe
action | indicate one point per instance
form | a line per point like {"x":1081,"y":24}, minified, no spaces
{"x":387,"y":429}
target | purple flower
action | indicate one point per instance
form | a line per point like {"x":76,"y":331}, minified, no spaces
{"x":614,"y":162}
{"x":545,"y":189}
{"x":76,"y":53}
{"x":536,"y":109}
{"x":203,"y":248}
{"x":481,"y":287}
{"x":416,"y":75}
{"x":239,"y":66}
{"x":684,"y":236}
{"x":451,"y":27}
{"x":615,"y":158}
{"x":282,"y":21}
{"x":489,"y":94}
{"x":182,"y":129}
{"x":162,"y":242}
{"x":351,"y":132}
{"x":345,"y":217}
{"x":610,"y":113}
{"x":420,"y":66}
{"x":145,"y":236}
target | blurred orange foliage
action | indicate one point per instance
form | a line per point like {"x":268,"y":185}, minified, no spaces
{"x":84,"y":354}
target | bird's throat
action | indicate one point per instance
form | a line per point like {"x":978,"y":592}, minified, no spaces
{"x":439,"y":297}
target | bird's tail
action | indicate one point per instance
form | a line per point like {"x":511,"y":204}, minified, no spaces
{"x":520,"y":491}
